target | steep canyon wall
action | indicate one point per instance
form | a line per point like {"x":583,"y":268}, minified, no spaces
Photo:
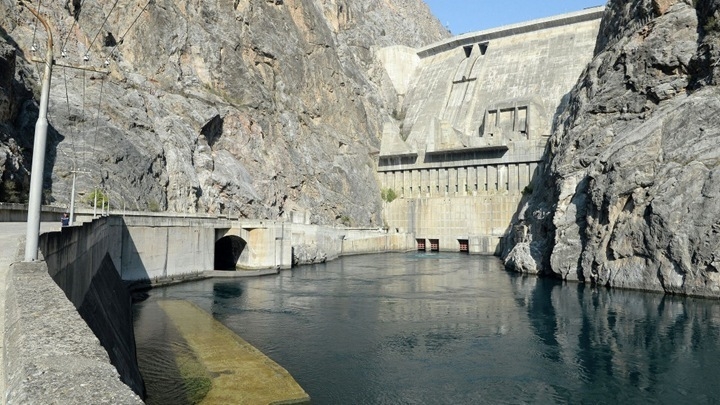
{"x":254,"y":107}
{"x":628,"y":192}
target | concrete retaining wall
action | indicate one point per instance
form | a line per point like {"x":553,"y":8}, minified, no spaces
{"x":51,"y":355}
{"x":18,"y":213}
{"x":163,"y":252}
{"x":366,"y":242}
{"x":83,"y":262}
{"x":314,"y":244}
{"x":482,"y":220}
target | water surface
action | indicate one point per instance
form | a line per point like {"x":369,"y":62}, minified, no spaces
{"x":457,"y":329}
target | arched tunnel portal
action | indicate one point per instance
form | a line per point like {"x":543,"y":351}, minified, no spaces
{"x":227,"y":252}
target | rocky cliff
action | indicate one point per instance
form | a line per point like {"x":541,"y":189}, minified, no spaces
{"x":249,"y":107}
{"x":629,"y":193}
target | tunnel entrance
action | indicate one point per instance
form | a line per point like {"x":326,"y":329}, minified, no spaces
{"x":227,"y":252}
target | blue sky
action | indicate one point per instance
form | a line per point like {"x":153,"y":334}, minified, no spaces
{"x":462,"y":16}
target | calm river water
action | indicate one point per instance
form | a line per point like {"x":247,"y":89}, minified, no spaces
{"x":454,"y":329}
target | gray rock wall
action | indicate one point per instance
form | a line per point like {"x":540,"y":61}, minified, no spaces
{"x":249,"y":106}
{"x":628,"y":195}
{"x":14,"y":160}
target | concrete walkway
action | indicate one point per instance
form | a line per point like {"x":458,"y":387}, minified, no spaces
{"x":12,"y":239}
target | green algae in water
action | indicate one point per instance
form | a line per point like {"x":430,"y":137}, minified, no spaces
{"x":172,"y":372}
{"x":241,"y":374}
{"x":196,"y":379}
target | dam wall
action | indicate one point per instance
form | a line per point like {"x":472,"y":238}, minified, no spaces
{"x":444,"y":220}
{"x":477,"y":111}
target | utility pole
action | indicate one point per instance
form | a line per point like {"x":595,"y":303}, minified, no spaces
{"x":40,"y":143}
{"x":72,"y":196}
{"x":38,"y":158}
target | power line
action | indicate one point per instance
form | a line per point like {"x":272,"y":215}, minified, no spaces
{"x":34,"y":48}
{"x":100,"y":29}
{"x":120,"y":40}
{"x":67,"y":102}
{"x":75,"y":20}
{"x":83,"y":114}
{"x":97,"y":119}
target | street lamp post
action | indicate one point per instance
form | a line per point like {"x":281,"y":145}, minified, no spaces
{"x":38,"y":158}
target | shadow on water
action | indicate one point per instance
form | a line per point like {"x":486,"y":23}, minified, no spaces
{"x":158,"y":346}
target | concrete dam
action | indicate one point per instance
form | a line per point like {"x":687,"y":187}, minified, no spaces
{"x":476,"y":115}
{"x":468,"y":136}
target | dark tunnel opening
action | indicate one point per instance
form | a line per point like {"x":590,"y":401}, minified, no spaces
{"x":227,"y":252}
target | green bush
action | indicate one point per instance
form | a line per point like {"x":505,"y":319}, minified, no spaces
{"x":11,"y":193}
{"x":102,"y":198}
{"x":711,"y":25}
{"x":388,"y":195}
{"x":153,"y":206}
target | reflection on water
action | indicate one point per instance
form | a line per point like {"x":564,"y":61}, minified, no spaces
{"x":446,"y":328}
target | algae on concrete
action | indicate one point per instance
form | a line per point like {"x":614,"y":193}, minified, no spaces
{"x":241,"y":373}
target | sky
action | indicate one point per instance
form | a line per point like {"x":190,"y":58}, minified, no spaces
{"x":462,"y":16}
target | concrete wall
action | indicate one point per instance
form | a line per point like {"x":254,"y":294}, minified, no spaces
{"x":314,"y":243}
{"x":400,"y":63}
{"x":474,"y":125}
{"x":481,"y":219}
{"x":164,"y":251}
{"x":18,"y":213}
{"x":83,"y":262}
{"x":378,"y":243}
{"x":51,"y":355}
{"x":326,"y":240}
{"x":81,"y":247}
{"x":269,"y":244}
{"x":528,"y":61}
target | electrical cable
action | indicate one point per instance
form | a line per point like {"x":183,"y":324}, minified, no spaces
{"x":34,"y":48}
{"x":120,"y":40}
{"x":75,"y":20}
{"x":67,"y":102}
{"x":97,"y":119}
{"x":100,"y":29}
{"x":82,"y":164}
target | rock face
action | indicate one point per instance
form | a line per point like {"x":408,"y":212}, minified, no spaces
{"x":629,"y":194}
{"x":14,"y":181}
{"x":248,"y":107}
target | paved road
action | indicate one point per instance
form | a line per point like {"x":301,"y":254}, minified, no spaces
{"x":12,"y":235}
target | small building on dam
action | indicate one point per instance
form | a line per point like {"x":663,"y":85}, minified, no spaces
{"x":475,"y":114}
